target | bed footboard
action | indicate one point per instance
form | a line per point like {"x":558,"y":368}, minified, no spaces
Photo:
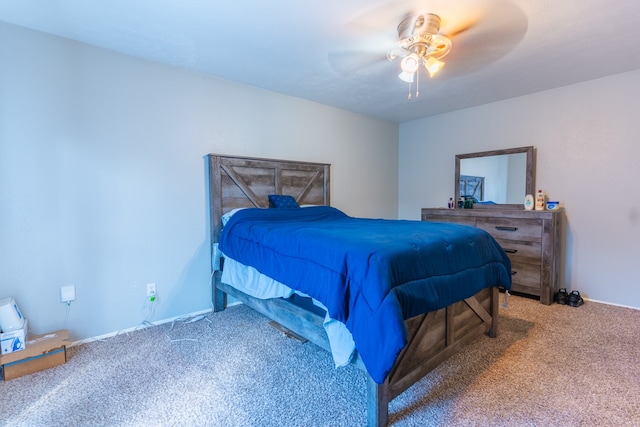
{"x":433,"y":337}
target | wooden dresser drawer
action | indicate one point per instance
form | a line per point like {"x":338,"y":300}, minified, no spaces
{"x":525,"y":278}
{"x":465,"y":220}
{"x":525,"y":252}
{"x":529,"y":230}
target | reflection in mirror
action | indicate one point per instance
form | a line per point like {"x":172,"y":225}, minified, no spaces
{"x":494,"y":179}
{"x":501,"y":177}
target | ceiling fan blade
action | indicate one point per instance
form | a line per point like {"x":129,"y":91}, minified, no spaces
{"x":350,"y":62}
{"x":452,"y":31}
{"x":362,"y":52}
{"x":484,"y":44}
{"x":456,"y":16}
{"x":378,"y":18}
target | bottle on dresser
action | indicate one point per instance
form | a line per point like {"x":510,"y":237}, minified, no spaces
{"x":529,"y":202}
{"x":540,"y":200}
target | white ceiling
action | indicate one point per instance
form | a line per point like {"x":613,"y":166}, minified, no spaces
{"x":323,"y":50}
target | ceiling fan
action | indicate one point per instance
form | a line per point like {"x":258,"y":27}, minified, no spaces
{"x":470,"y":33}
{"x":420,"y":45}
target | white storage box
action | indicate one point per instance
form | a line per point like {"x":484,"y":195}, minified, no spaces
{"x":14,"y":340}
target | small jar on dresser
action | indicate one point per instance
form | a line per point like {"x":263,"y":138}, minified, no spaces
{"x":530,"y":238}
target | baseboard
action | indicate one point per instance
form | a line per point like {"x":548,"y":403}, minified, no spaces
{"x":141,"y":326}
{"x":610,"y":303}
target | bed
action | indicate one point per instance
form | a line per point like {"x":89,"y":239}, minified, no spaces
{"x":238,"y":185}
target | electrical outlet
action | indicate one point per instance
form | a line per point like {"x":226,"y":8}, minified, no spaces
{"x":151,"y":289}
{"x":67,"y":294}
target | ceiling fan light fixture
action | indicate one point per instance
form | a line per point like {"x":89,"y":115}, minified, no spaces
{"x":439,"y":46}
{"x":420,"y":44}
{"x":433,"y":65}
{"x":406,"y":77}
{"x":410,"y":63}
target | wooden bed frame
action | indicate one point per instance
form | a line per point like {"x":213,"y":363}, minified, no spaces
{"x":236,"y":182}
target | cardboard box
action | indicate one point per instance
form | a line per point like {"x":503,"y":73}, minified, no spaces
{"x":14,"y":340}
{"x":41,"y":352}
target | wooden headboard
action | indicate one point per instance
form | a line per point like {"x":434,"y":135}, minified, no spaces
{"x":245,"y":182}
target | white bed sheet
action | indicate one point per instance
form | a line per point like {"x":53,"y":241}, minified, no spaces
{"x":250,"y":281}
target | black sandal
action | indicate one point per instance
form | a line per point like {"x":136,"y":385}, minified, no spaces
{"x":562,"y":296}
{"x":575,"y":300}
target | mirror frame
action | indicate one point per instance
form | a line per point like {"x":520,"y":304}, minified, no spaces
{"x":529,"y":173}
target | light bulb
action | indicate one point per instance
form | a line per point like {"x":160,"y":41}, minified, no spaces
{"x":406,"y":77}
{"x":410,"y":63}
{"x":433,"y":66}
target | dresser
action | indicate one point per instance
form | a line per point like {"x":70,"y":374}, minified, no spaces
{"x":530,"y":238}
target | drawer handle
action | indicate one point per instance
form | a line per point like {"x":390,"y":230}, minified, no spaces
{"x":506,"y":228}
{"x":511,"y":251}
{"x":513,"y":272}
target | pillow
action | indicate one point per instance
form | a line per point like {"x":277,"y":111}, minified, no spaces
{"x":282,"y":201}
{"x":225,"y":217}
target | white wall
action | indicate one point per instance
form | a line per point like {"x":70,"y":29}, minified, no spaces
{"x":587,"y":139}
{"x":102,"y":175}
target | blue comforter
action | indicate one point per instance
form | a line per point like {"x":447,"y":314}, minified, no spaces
{"x":371,"y":274}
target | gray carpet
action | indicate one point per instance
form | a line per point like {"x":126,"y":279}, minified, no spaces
{"x":550,"y":365}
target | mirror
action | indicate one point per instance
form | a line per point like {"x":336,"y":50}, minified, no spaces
{"x":499,"y":178}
